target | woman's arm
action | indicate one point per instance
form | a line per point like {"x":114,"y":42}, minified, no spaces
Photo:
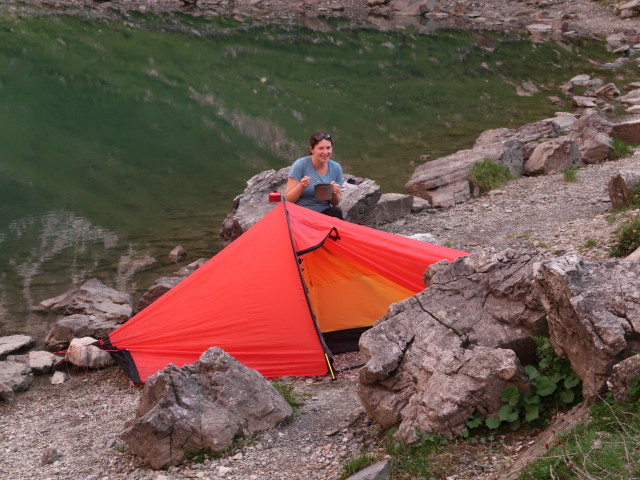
{"x":294,"y":188}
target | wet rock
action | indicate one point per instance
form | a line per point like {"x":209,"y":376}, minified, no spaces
{"x":155,"y":291}
{"x":178,"y":254}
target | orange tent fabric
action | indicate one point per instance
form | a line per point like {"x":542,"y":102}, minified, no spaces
{"x":268,"y":297}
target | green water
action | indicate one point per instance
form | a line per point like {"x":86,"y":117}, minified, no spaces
{"x":121,"y":141}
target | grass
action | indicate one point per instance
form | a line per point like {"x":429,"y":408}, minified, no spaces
{"x":589,"y":243}
{"x":288,"y":392}
{"x":604,"y":448}
{"x":356,"y":464}
{"x":569,"y":174}
{"x":628,"y":238}
{"x":619,"y":149}
{"x":488,"y":175}
{"x":414,"y":461}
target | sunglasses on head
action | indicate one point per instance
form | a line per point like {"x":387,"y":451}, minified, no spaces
{"x":322,"y":136}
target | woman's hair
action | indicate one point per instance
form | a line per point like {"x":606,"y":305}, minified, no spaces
{"x":318,"y":136}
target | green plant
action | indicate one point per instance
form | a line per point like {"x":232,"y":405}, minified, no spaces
{"x":553,"y":384}
{"x":487,"y":175}
{"x":589,"y":243}
{"x":635,"y":197}
{"x":605,"y":447}
{"x":414,"y":458}
{"x":289,"y":394}
{"x":356,"y":464}
{"x":619,"y":149}
{"x":628,"y":238}
{"x":569,"y":174}
{"x":200,"y":455}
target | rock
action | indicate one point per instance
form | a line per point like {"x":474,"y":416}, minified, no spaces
{"x":155,"y":291}
{"x":84,"y":355}
{"x":178,"y":254}
{"x":92,"y":298}
{"x":49,"y":456}
{"x":631,"y":98}
{"x":13,"y":343}
{"x":359,"y":199}
{"x":444,"y":182}
{"x":58,"y":378}
{"x":628,"y":132}
{"x":608,"y":91}
{"x":437,"y":357}
{"x":425,"y":237}
{"x":14,"y":377}
{"x":203,"y":405}
{"x":594,"y":146}
{"x":75,"y":326}
{"x":392,"y":206}
{"x":629,"y":9}
{"x":42,"y":362}
{"x":593,"y":312}
{"x":624,"y":375}
{"x":591,"y":119}
{"x":377,"y":471}
{"x":635,"y":255}
{"x":583,"y":102}
{"x":192,"y":267}
{"x":621,"y":188}
{"x":553,"y":156}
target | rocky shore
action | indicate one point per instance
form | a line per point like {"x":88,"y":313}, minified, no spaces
{"x":70,"y":431}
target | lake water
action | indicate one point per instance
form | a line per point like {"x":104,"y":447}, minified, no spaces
{"x":121,"y":141}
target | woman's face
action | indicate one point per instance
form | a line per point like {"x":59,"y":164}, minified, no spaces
{"x":322,"y":150}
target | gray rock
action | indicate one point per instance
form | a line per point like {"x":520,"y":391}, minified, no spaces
{"x":42,"y":362}
{"x":552,"y":156}
{"x":84,"y":355}
{"x":628,"y":132}
{"x":593,"y":312}
{"x":203,"y":405}
{"x":392,"y":206}
{"x":13,"y":343}
{"x":437,"y":357}
{"x":621,"y":188}
{"x":377,"y":471}
{"x":14,"y":377}
{"x":76,"y":326}
{"x":92,"y":298}
{"x":594,"y":146}
{"x":624,"y":375}
{"x":444,"y":182}
{"x":155,"y":291}
{"x":178,"y":254}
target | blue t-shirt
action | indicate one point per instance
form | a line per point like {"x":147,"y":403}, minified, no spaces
{"x":303,"y":167}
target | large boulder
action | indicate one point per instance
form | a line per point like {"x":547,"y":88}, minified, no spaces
{"x":444,"y":182}
{"x":594,"y":146}
{"x":77,"y":326}
{"x":450,"y":350}
{"x":92,"y":298}
{"x":625,"y":374}
{"x":205,"y":405}
{"x":593,"y":312}
{"x":359,"y":199}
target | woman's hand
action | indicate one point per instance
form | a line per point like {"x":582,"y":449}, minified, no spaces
{"x":336,"y":194}
{"x":294,"y":188}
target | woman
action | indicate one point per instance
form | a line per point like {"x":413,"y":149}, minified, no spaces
{"x":316,"y":168}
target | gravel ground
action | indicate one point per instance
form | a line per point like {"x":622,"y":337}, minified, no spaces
{"x":69,"y":431}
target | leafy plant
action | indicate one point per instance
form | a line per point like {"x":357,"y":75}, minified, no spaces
{"x":554,"y":384}
{"x":589,"y":243}
{"x":569,"y":174}
{"x":487,"y":175}
{"x":619,"y":149}
{"x":356,"y":464}
{"x":628,"y":238}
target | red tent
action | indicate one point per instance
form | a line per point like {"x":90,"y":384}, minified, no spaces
{"x":274,"y":295}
